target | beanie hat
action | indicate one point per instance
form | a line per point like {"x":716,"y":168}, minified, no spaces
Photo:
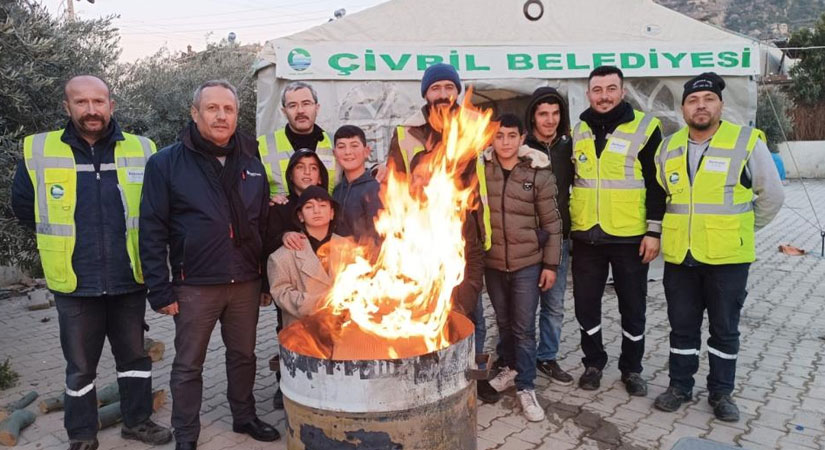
{"x":708,"y":81}
{"x":313,"y":193}
{"x":439,"y":72}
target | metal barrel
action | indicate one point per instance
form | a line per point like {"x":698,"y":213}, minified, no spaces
{"x":425,"y":402}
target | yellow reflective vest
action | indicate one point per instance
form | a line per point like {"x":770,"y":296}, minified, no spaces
{"x":609,"y":190}
{"x":51,"y":166}
{"x":712,"y":217}
{"x":410,"y":146}
{"x":275,"y":150}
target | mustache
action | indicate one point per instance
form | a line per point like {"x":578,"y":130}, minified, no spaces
{"x":301,"y":116}
{"x":442,"y":101}
{"x":89,"y":117}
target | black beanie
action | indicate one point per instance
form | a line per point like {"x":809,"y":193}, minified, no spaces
{"x":708,"y":81}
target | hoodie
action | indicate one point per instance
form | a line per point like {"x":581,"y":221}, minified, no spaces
{"x":560,"y":150}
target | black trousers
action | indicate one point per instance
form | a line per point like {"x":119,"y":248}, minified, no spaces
{"x":690,"y":290}
{"x":85,"y":323}
{"x":590,"y":269}
{"x":201,"y":307}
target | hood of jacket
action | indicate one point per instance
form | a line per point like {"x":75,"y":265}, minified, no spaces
{"x":297,"y":155}
{"x":536,"y":158}
{"x":539,"y":95}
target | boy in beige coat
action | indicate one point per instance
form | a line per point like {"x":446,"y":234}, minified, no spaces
{"x":300,"y":279}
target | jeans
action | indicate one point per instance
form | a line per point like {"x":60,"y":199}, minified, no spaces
{"x":85,"y":323}
{"x":689,"y":291}
{"x":515,"y":298}
{"x":201,"y":307}
{"x":480,"y":328}
{"x":590,"y":266}
{"x":551,"y":312}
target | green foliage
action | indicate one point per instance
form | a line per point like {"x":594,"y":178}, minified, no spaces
{"x":39,"y":53}
{"x":155,"y":93}
{"x":808,"y":75}
{"x":8,"y":377}
{"x":770,"y":98}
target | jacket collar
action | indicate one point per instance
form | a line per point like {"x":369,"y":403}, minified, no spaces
{"x":536,"y":158}
{"x":73,"y":139}
{"x":310,"y":265}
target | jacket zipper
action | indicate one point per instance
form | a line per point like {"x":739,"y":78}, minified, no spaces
{"x":102,"y":229}
{"x":504,"y":223}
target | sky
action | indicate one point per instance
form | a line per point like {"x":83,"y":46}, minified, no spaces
{"x":147,"y":25}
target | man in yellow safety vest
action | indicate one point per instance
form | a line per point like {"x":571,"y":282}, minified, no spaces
{"x":79,"y":189}
{"x":616,"y":209}
{"x":721,"y":186}
{"x":299,"y":103}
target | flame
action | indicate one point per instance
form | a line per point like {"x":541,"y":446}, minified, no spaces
{"x":396,"y":300}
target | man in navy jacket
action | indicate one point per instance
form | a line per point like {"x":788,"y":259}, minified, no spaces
{"x":203,"y":216}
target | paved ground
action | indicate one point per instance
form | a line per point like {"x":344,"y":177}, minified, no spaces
{"x":780,"y":379}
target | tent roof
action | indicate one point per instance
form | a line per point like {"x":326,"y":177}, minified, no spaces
{"x":496,"y":21}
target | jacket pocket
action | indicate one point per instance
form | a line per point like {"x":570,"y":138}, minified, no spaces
{"x":54,"y":258}
{"x":723,"y":236}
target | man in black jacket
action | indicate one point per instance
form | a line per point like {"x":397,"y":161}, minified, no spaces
{"x":203,"y":215}
{"x":85,"y":227}
{"x":548,"y":130}
{"x":616,"y":210}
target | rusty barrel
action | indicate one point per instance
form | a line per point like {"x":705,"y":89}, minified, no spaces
{"x":425,"y":402}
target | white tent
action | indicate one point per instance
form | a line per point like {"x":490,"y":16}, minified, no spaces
{"x":367,"y":66}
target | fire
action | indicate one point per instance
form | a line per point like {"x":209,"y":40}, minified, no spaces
{"x":396,"y":301}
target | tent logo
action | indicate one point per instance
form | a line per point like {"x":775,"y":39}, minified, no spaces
{"x":299,"y":59}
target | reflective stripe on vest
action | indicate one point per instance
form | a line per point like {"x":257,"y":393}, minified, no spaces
{"x":712,"y":217}
{"x":52,"y":170}
{"x":275,"y":150}
{"x":609,"y":190}
{"x":409,"y":146}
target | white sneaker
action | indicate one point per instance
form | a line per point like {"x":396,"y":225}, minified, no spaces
{"x":505,"y":379}
{"x":530,"y":406}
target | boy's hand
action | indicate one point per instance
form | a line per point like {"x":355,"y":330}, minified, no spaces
{"x":278,"y":199}
{"x":381,"y":173}
{"x":170,"y":309}
{"x":294,"y":240}
{"x":266,"y":299}
{"x":547,"y":279}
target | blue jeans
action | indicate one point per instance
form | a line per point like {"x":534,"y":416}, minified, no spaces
{"x":515,"y":298}
{"x":551,"y":312}
{"x":480,"y":328}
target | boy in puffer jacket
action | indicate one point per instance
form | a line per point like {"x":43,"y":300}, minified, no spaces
{"x":526,"y":251}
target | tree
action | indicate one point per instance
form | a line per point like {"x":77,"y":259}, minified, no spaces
{"x":155,"y":93}
{"x":808,"y":88}
{"x":772,"y":109}
{"x":39,"y":53}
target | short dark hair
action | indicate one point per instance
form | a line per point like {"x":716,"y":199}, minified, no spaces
{"x":603,"y":71}
{"x":508,"y":120}
{"x":350,"y":131}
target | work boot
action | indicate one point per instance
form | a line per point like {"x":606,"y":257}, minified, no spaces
{"x":147,"y":432}
{"x":590,"y":379}
{"x":671,"y":399}
{"x":723,"y":407}
{"x":552,"y":369}
{"x":84,"y":445}
{"x":186,"y":445}
{"x":487,"y":393}
{"x":278,"y":400}
{"x":634,"y":384}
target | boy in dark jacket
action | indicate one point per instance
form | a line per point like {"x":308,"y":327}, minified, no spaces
{"x":357,"y":193}
{"x":548,"y":130}
{"x":525,"y":253}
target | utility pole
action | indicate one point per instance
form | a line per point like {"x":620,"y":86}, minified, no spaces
{"x":70,"y":10}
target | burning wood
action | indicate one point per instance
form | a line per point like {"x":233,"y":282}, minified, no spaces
{"x":394,"y":301}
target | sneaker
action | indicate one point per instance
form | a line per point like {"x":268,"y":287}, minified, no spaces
{"x":530,"y":406}
{"x":147,"y":432}
{"x":552,"y":369}
{"x":671,"y":399}
{"x":505,"y":379}
{"x":723,"y":407}
{"x":590,"y":379}
{"x":83,"y":445}
{"x":486,"y":393}
{"x":634,"y":384}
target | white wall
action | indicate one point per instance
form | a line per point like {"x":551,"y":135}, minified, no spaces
{"x":808,"y":158}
